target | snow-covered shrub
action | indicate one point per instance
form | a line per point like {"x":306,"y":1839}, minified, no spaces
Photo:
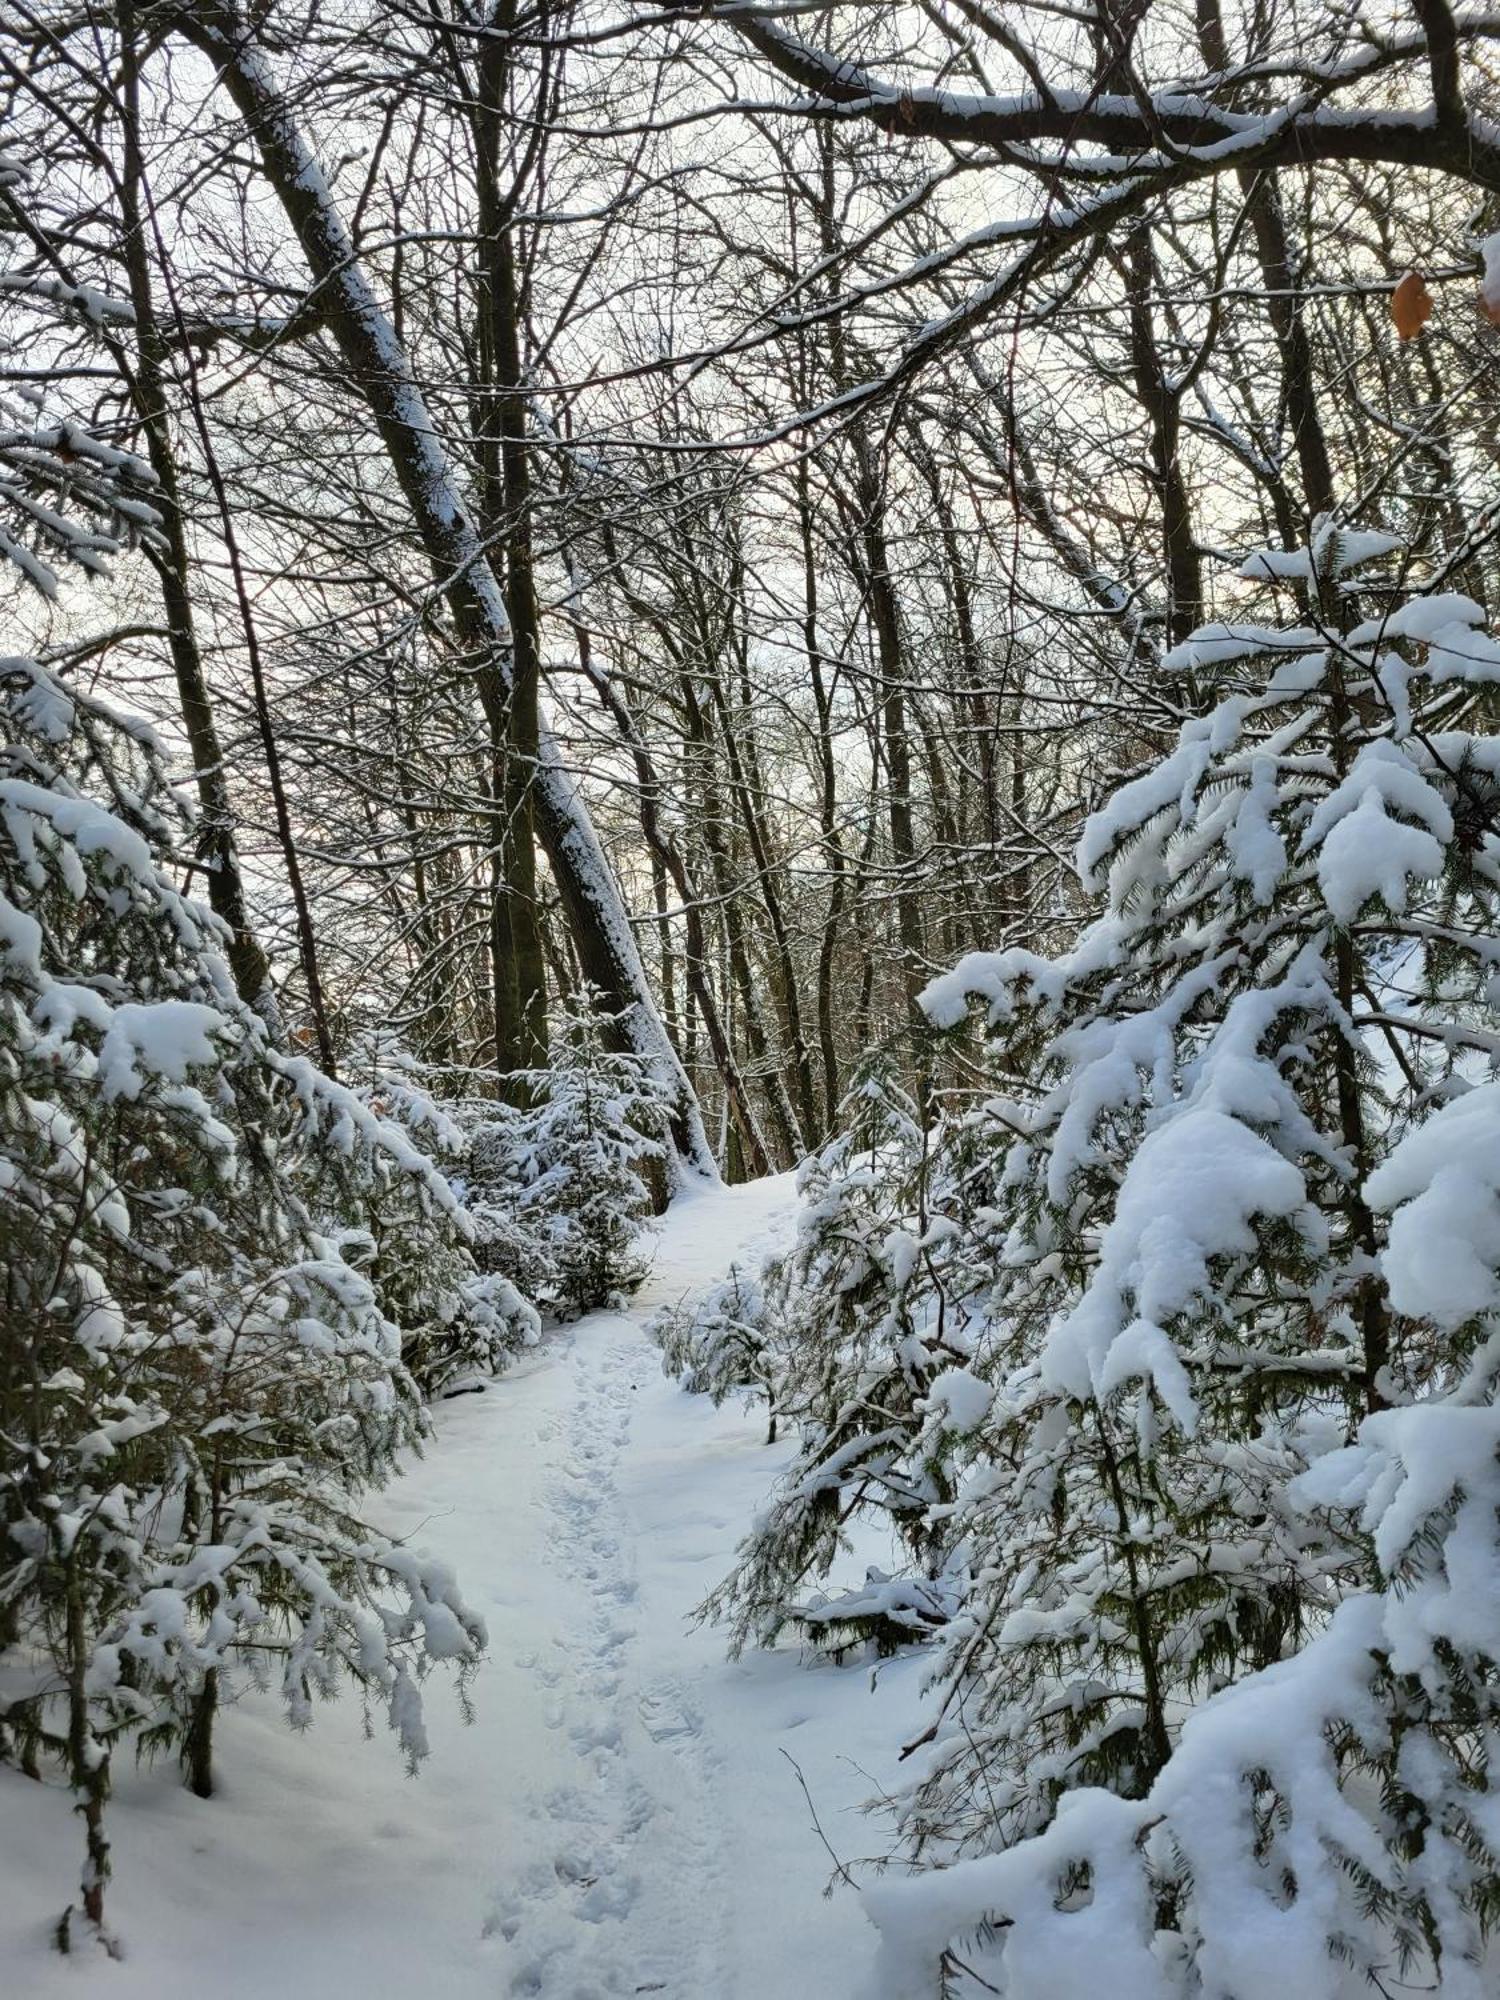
{"x":198,"y":1376}
{"x":1278,"y":1029}
{"x":557,"y":1185}
{"x":1334,"y":1811}
{"x":499,"y":1173}
{"x":719,"y":1345}
{"x":880,"y":1616}
{"x":872,"y":1317}
{"x":459,"y":1318}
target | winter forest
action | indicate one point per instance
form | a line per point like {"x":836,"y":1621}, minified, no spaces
{"x":749,"y":999}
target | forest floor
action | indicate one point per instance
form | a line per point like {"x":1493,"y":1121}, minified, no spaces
{"x":624,"y":1812}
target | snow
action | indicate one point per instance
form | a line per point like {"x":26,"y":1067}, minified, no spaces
{"x":1228,"y":645}
{"x":1445,"y":1237}
{"x":31,"y":811}
{"x":1446,"y":623}
{"x":160,"y":1038}
{"x":1173,"y":781}
{"x":1190,"y":1194}
{"x":987,"y":975}
{"x":1489,"y":284}
{"x":1334,"y":551}
{"x":1362,"y":849}
{"x":1255,"y":847}
{"x":624,"y":1814}
{"x":961,"y":1397}
{"x":1420,"y":618}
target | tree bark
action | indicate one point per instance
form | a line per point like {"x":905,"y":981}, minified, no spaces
{"x":506,"y":486}
{"x":215,"y":830}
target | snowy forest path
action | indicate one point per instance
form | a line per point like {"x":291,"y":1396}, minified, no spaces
{"x":624,"y":1902}
{"x":623,"y":1813}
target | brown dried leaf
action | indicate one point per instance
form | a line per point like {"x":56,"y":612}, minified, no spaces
{"x":1411,"y":305}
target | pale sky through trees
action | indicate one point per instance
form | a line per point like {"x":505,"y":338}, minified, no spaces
{"x":749,"y":1016}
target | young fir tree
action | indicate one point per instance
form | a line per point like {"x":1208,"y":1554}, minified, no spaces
{"x":458,"y":1322}
{"x":196,"y":1382}
{"x":872,"y":1346}
{"x":721,"y":1344}
{"x":1329,"y":1820}
{"x":558,"y":1185}
{"x":1268,"y":1037}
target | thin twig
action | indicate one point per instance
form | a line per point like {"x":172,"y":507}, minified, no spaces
{"x":839,"y":1867}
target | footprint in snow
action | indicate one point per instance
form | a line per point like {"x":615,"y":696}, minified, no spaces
{"x":667,"y":1715}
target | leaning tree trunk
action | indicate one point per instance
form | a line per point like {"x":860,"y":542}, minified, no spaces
{"x":375,"y":357}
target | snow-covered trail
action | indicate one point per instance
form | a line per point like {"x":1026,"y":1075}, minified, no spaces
{"x":622,"y":1815}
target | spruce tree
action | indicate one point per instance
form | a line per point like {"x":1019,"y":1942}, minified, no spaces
{"x":199,"y":1372}
{"x":557,"y":1182}
{"x":721,"y":1345}
{"x":873,"y":1336}
{"x":1272,"y":1034}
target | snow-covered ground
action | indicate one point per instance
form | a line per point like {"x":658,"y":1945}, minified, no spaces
{"x":623,"y":1815}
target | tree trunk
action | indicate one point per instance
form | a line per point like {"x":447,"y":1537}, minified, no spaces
{"x":88,"y":1759}
{"x":215,"y":830}
{"x":886,"y":618}
{"x":506,"y":488}
{"x":365,"y":337}
{"x":833,"y":847}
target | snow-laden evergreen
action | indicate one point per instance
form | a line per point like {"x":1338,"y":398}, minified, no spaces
{"x":1172,"y":1357}
{"x":867,"y":1351}
{"x":208,"y":1291}
{"x":1334,"y":1811}
{"x":558,"y":1184}
{"x":719,"y":1344}
{"x":68,"y":499}
{"x":462,"y":1309}
{"x":1242,"y":1435}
